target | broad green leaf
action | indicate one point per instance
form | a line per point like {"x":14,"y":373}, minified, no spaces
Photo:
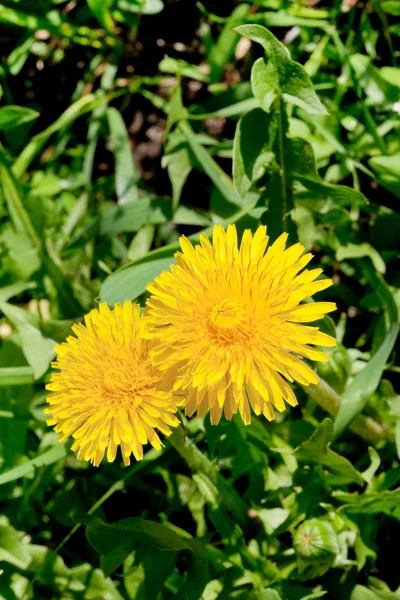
{"x":126,"y":175}
{"x":13,"y":116}
{"x":28,"y":468}
{"x":316,"y":450}
{"x":360,"y":592}
{"x":303,"y":169}
{"x":366,"y":381}
{"x":263,"y":83}
{"x":178,"y":165}
{"x":285,"y":77}
{"x":131,"y":216}
{"x":12,"y":549}
{"x":131,"y":282}
{"x":253,"y":149}
{"x":38,"y":350}
{"x":117,"y":540}
{"x":392,"y":7}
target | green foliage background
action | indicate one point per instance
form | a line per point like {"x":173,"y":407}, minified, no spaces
{"x":123,"y":124}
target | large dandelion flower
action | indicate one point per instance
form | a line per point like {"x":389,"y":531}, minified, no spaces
{"x":107,"y":392}
{"x":228,"y":323}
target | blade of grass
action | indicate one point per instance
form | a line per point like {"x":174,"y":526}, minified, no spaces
{"x":220,"y":179}
{"x":16,"y":376}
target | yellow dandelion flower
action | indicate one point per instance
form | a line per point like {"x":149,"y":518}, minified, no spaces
{"x":107,"y":392}
{"x":229,"y":326}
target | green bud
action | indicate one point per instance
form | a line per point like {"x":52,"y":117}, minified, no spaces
{"x":316,"y":539}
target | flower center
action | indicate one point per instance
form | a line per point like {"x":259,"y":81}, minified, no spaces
{"x":227,"y":314}
{"x":228,"y":323}
{"x":123,"y":385}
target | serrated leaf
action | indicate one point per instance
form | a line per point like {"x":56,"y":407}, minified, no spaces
{"x":316,"y":451}
{"x":280,"y":75}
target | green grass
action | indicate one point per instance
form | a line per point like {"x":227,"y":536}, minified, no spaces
{"x":123,"y":124}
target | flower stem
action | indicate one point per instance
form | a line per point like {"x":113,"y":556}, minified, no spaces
{"x":366,"y":427}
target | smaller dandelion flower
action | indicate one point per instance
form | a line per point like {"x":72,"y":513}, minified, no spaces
{"x":229,"y":324}
{"x":107,"y":393}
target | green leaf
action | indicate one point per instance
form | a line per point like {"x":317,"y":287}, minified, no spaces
{"x":145,"y":7}
{"x":222,"y":51}
{"x":211,"y":168}
{"x":57,"y":26}
{"x":182,"y":67}
{"x":178,"y":165}
{"x":38,"y":350}
{"x":101,"y":10}
{"x":366,"y":381}
{"x":388,"y":170}
{"x":130,"y":282}
{"x":12,"y":549}
{"x":392,"y":7}
{"x":359,"y":251}
{"x":267,"y":594}
{"x":132,"y":216}
{"x":126,"y":176}
{"x":32,"y":149}
{"x":316,"y":451}
{"x":141,"y":243}
{"x":253,"y":149}
{"x":49,"y":457}
{"x":13,"y":116}
{"x":201,"y":465}
{"x":14,"y":289}
{"x":369,"y":473}
{"x":116,"y":540}
{"x":281,"y":75}
{"x":379,"y":502}
{"x":303,"y":169}
{"x":16,"y":376}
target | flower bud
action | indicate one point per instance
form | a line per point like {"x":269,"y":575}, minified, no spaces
{"x":316,"y":539}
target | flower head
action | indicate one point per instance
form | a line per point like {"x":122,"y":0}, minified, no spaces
{"x":107,"y":392}
{"x":229,"y":324}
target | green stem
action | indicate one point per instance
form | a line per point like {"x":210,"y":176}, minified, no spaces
{"x":367,"y":428}
{"x":282,"y":163}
